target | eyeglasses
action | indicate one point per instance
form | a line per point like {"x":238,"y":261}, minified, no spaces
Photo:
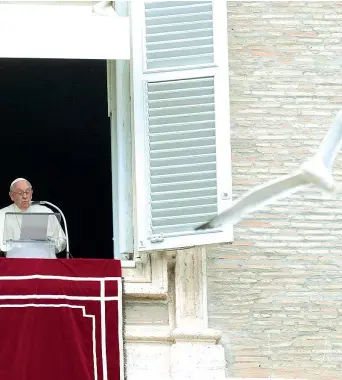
{"x":21,"y":193}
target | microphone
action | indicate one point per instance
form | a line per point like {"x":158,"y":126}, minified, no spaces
{"x":64,"y":222}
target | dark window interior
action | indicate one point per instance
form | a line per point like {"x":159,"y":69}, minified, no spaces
{"x":56,"y":133}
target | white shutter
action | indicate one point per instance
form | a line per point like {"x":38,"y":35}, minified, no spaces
{"x":181,"y":121}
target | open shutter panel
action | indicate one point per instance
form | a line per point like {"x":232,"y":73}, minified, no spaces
{"x":175,"y":79}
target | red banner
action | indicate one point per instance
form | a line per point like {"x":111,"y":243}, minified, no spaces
{"x":60,"y":319}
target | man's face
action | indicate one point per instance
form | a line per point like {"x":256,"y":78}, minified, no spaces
{"x":21,"y":195}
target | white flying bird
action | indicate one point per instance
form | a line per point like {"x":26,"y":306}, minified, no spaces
{"x":316,"y":171}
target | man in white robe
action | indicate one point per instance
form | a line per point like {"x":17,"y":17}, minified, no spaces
{"x":10,"y":226}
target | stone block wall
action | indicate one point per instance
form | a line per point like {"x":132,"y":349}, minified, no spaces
{"x":276,"y":292}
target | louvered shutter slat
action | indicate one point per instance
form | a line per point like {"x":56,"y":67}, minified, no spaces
{"x":182,"y":118}
{"x":154,"y":6}
{"x":175,"y":42}
{"x":181,"y":169}
{"x":174,"y":7}
{"x":179,"y":211}
{"x":168,"y":222}
{"x":171,"y":154}
{"x":184,"y":175}
{"x":179,"y":160}
{"x":178,"y":110}
{"x":183,"y":180}
{"x":183,"y":185}
{"x":176,"y":136}
{"x":181,"y":202}
{"x":188,"y":125}
{"x":181,"y":38}
{"x":182,"y":53}
{"x":185,"y":62}
{"x":178,"y":17}
{"x":171,"y":96}
{"x":159,"y":87}
{"x":184,"y":193}
{"x":158,"y":103}
{"x":181,"y":143}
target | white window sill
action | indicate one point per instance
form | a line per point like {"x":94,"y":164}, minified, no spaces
{"x":128,"y":263}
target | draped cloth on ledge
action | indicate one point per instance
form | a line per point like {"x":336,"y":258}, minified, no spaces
{"x":60,"y":319}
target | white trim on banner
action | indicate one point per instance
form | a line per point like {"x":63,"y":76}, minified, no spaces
{"x":102,"y":299}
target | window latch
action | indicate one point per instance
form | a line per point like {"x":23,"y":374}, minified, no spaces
{"x":158,"y":238}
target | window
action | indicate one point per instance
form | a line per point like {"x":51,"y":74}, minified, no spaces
{"x":179,"y":135}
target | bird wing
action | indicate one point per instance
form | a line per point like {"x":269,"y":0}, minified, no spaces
{"x":332,"y":142}
{"x":258,"y":197}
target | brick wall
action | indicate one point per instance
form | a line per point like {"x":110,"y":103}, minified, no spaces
{"x":276,"y":293}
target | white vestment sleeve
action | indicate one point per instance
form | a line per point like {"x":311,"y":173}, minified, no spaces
{"x":2,"y":227}
{"x":56,"y":234}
